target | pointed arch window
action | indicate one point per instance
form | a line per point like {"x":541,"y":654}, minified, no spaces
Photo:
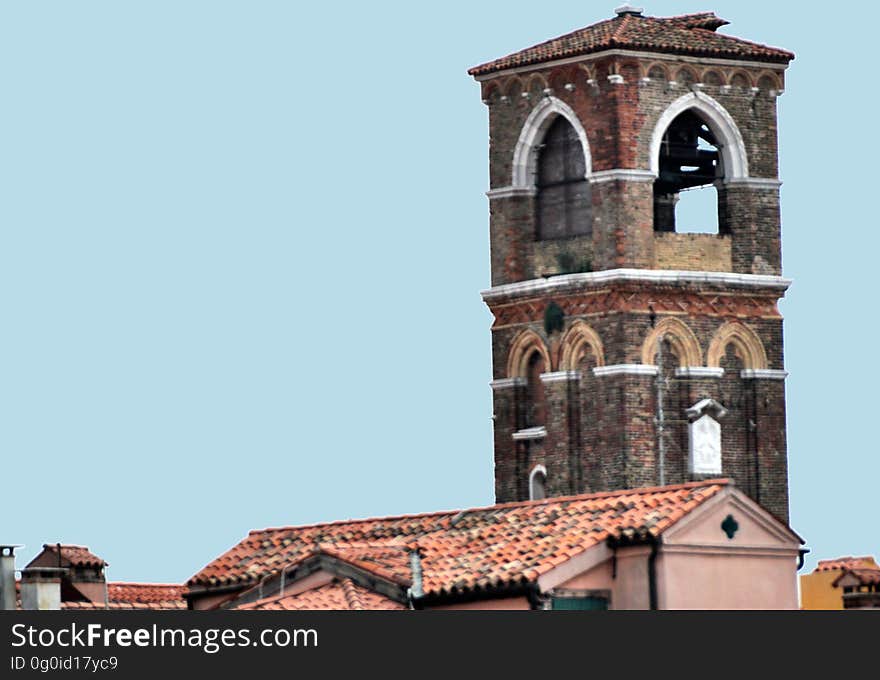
{"x":690,"y":160}
{"x":538,"y":483}
{"x":535,"y":415}
{"x":563,"y":193}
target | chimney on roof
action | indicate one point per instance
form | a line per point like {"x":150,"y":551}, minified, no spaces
{"x":626,"y":9}
{"x":82,"y":577}
{"x":7,"y":577}
{"x":415,"y":564}
{"x":41,"y":588}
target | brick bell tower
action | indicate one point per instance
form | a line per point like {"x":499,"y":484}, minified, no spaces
{"x":629,"y":351}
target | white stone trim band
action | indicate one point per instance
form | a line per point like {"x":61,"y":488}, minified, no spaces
{"x":660,"y":56}
{"x":575,"y":281}
{"x":763,"y":374}
{"x":530,"y":434}
{"x":622,"y":174}
{"x":754,"y":182}
{"x":560,"y":376}
{"x":625,"y":369}
{"x":507,"y":383}
{"x":699,"y":372}
{"x":510,"y":192}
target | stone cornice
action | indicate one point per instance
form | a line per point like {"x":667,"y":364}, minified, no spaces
{"x":507,"y":383}
{"x":572,"y":282}
{"x":699,"y":372}
{"x":560,"y":376}
{"x":646,"y":55}
{"x":625,"y":369}
{"x":763,"y":374}
{"x":754,"y":182}
{"x":622,"y":175}
{"x":510,"y":192}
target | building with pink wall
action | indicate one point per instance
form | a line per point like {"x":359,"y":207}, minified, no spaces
{"x":701,"y":545}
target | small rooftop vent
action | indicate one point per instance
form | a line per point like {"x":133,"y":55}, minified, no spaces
{"x":623,"y":10}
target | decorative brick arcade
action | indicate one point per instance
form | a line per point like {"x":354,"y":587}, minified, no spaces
{"x":594,"y":138}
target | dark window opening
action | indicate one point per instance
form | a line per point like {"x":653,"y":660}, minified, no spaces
{"x":563,"y":200}
{"x":685,"y":196}
{"x":580,"y":603}
{"x":538,"y":486}
{"x":535,"y":411}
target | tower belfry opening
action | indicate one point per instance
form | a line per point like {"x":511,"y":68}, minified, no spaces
{"x":689,"y":160}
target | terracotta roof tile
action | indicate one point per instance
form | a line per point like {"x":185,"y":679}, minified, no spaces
{"x":131,"y":596}
{"x":464,"y":549}
{"x":145,"y":593}
{"x":75,"y":555}
{"x":841,"y":563}
{"x":127,"y":606}
{"x":867,"y":577}
{"x":344,"y":594}
{"x":692,"y":35}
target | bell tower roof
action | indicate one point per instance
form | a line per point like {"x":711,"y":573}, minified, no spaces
{"x":690,"y":35}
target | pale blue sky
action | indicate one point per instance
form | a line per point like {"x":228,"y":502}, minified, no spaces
{"x":243,"y":244}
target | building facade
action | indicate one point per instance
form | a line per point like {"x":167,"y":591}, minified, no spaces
{"x":701,"y":545}
{"x":612,"y":324}
{"x":822,"y":588}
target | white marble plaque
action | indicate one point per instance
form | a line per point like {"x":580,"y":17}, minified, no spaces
{"x":705,"y":446}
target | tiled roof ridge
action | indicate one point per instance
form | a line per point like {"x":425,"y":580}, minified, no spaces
{"x":621,"y":29}
{"x":723,"y":481}
{"x":55,"y":546}
{"x":130,"y":584}
{"x":374,"y":569}
{"x":847,"y":562}
{"x":694,"y":19}
{"x":352,"y":597}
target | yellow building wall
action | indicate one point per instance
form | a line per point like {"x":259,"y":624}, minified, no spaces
{"x":817,"y":591}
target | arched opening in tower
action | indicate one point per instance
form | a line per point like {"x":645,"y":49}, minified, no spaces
{"x":535,"y":413}
{"x":563,"y":202}
{"x":685,"y":193}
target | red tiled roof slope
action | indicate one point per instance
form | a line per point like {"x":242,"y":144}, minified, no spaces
{"x":840,"y":563}
{"x":137,"y":596}
{"x":692,"y":35}
{"x":76,"y":555}
{"x":389,"y":561}
{"x":867,"y":577}
{"x":343,"y":594}
{"x":145,"y":593}
{"x":126,"y":606}
{"x":460,"y":550}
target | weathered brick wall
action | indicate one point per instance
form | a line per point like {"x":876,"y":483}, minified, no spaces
{"x":692,"y":252}
{"x":756,"y":232}
{"x":602,"y":432}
